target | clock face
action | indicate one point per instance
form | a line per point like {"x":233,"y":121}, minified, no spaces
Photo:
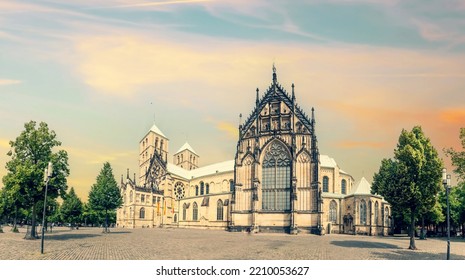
{"x":179,"y":190}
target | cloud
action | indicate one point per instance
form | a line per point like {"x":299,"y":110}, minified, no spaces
{"x":6,"y":82}
{"x":4,"y":143}
{"x":90,"y":157}
{"x":230,"y":129}
{"x":158,"y":3}
{"x":360,"y":144}
{"x":453,"y":116}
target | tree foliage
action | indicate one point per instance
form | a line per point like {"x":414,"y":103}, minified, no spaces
{"x":411,"y":180}
{"x":30,"y":153}
{"x":458,"y":161}
{"x":105,"y":195}
{"x":71,"y":209}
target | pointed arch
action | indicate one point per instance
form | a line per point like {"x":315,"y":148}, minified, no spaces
{"x":386,"y":217}
{"x":333,"y":211}
{"x":195,"y":212}
{"x":247,"y":164}
{"x":303,"y":170}
{"x":219,"y":210}
{"x":184,"y":211}
{"x":363,"y":212}
{"x":276,"y":177}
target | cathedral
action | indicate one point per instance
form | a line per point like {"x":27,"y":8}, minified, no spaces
{"x":277,"y":182}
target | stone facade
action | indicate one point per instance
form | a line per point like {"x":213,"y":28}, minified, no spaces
{"x":277,"y":182}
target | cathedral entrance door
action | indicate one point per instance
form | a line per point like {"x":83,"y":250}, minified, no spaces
{"x":348,"y":224}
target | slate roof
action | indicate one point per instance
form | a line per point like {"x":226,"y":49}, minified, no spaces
{"x":186,"y":146}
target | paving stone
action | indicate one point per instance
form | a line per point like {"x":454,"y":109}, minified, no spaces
{"x":178,"y":244}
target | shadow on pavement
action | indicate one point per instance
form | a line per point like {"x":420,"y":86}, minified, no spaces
{"x":363,"y":244}
{"x":67,"y":236}
{"x":119,"y":232}
{"x":415,"y":255}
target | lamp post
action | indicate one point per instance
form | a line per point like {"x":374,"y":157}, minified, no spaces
{"x":47,"y":175}
{"x":446,"y":182}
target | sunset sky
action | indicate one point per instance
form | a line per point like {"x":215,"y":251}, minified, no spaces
{"x":100,"y":72}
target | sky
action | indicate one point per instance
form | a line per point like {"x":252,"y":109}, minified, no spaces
{"x":102,"y":72}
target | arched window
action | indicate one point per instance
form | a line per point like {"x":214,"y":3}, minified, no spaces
{"x":202,"y":188}
{"x":142,"y":213}
{"x":276,"y":179}
{"x":231,"y":185}
{"x":207,"y":188}
{"x":376,"y":212}
{"x":184,"y":211}
{"x":386,"y":217}
{"x":130,"y":196}
{"x":175,"y":218}
{"x":363,"y":212}
{"x":195,"y":212}
{"x":343,"y":186}
{"x":333,"y":212}
{"x":219,"y":210}
{"x":178,"y":159}
{"x":325,"y":184}
{"x":196,"y":190}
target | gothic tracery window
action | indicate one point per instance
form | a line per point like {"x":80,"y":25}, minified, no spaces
{"x":195,"y":212}
{"x":376,"y":212}
{"x":386,"y":217}
{"x":219,"y":210}
{"x":276,"y":178}
{"x":184,"y":211}
{"x":333,"y":212}
{"x":363,"y":212}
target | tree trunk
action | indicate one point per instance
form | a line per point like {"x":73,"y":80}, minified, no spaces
{"x":463,"y":230}
{"x":106,"y":222}
{"x":31,"y":233}
{"x":15,"y":227}
{"x":412,"y":231}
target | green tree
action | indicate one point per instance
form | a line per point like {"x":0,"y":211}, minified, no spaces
{"x":412,"y":179}
{"x":71,"y":209}
{"x":30,"y":153}
{"x":2,"y":210}
{"x":458,"y":161}
{"x":89,"y":215}
{"x":104,"y":194}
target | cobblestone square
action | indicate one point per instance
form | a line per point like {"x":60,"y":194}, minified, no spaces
{"x":184,"y":244}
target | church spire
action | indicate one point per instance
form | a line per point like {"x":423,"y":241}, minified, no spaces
{"x":293,"y":94}
{"x":313,"y":115}
{"x":256,"y":100}
{"x":275,"y":79}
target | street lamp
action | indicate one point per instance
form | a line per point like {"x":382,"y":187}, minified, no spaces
{"x":446,"y":183}
{"x":47,"y":175}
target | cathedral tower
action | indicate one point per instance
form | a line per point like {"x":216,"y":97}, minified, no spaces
{"x":153,"y":143}
{"x":276,"y":166}
{"x":186,"y":157}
